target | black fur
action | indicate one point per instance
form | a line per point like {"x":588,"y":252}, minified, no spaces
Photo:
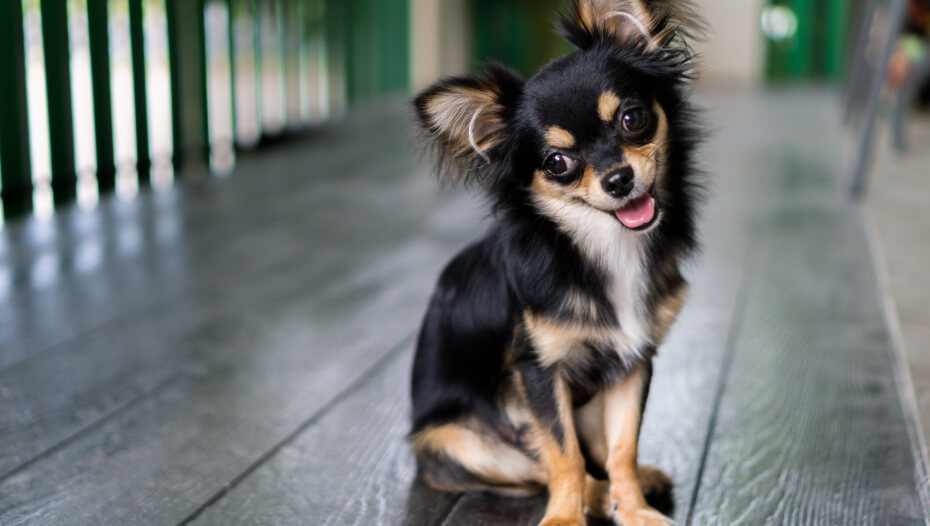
{"x":472,"y":338}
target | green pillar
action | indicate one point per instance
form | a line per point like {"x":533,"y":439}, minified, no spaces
{"x":58,"y":87}
{"x":140,"y":96}
{"x":187,"y":55}
{"x":14,"y":123}
{"x":99,"y":33}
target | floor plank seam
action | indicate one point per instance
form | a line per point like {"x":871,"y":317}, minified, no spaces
{"x":142,"y":310}
{"x":443,"y":517}
{"x":162,"y":302}
{"x":451,"y":512}
{"x":357,"y":384}
{"x":898,"y":361}
{"x":742,"y":298}
{"x":61,"y":444}
{"x":64,"y":344}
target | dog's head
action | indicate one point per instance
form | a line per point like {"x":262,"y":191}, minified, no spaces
{"x":593,"y":129}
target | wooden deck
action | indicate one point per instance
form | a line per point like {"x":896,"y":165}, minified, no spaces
{"x":236,"y":350}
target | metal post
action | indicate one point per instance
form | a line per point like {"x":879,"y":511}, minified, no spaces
{"x":866,"y":139}
{"x":99,"y":32}
{"x":58,"y":88}
{"x":14,"y":123}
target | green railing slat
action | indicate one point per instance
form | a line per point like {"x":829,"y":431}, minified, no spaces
{"x":14,"y":120}
{"x":337,"y":50}
{"x":58,"y":88}
{"x":140,"y":96}
{"x":187,"y":58}
{"x":99,"y":36}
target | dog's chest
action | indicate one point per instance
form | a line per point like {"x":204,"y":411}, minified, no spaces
{"x":620,"y":256}
{"x":627,"y":287}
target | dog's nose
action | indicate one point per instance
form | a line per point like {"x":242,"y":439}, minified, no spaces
{"x":618,"y":183}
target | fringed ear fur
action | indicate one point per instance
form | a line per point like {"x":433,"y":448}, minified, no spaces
{"x":465,"y":118}
{"x":646,"y":24}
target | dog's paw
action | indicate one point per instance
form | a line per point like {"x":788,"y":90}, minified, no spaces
{"x":654,"y":481}
{"x":561,"y":521}
{"x":641,"y":517}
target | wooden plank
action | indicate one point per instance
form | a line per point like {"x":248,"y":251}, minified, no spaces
{"x":249,"y":380}
{"x":103,"y":377}
{"x":211,"y":234}
{"x":676,"y":419}
{"x":329,"y":474}
{"x":810,"y":427}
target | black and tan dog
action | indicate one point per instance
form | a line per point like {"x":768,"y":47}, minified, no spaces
{"x":535,"y":356}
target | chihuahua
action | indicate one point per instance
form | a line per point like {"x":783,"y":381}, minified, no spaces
{"x":535,"y":355}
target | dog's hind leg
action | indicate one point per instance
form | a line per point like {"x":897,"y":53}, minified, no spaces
{"x":465,"y":455}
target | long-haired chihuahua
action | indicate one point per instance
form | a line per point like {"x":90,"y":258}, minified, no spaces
{"x":535,"y":355}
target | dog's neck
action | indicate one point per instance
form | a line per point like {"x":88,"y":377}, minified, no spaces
{"x":621,"y":255}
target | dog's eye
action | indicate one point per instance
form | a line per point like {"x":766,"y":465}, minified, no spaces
{"x":635,"y":119}
{"x":559,"y":164}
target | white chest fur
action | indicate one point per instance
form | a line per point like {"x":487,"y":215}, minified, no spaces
{"x":621,"y":254}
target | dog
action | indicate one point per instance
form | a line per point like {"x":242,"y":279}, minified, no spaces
{"x":534,"y":359}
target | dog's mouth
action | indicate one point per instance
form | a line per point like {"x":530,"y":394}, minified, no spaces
{"x":640,"y":212}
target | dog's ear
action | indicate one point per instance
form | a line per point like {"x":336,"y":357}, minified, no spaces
{"x":467,"y":118}
{"x":645,"y":24}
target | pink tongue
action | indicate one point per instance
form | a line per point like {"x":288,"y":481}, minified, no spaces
{"x":638,"y":212}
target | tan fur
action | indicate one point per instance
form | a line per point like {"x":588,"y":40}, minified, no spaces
{"x":667,"y":312}
{"x":559,"y":137}
{"x":622,"y":414}
{"x":580,"y":306}
{"x":611,"y":17}
{"x":554,"y":341}
{"x":653,"y":480}
{"x":543,"y":186}
{"x":647,"y":159}
{"x":589,"y":424}
{"x":597,"y":502}
{"x":607,"y":105}
{"x":463,"y":114}
{"x":481,"y":453}
{"x":597,"y":498}
{"x":563,"y":463}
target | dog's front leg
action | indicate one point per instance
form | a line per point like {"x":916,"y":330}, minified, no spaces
{"x":623,"y":409}
{"x":554,"y":437}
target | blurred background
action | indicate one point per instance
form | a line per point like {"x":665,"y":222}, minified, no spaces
{"x":215,"y":229}
{"x":114,"y":95}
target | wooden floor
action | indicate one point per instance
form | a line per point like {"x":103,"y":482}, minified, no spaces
{"x":236,"y":351}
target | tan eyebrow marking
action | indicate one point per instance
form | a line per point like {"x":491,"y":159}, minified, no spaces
{"x":558,"y":137}
{"x":607,"y":105}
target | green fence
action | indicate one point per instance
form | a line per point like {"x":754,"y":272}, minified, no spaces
{"x":519,"y":33}
{"x":104,"y":94}
{"x":809,"y":40}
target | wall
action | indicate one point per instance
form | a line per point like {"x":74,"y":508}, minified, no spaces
{"x":734,"y":49}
